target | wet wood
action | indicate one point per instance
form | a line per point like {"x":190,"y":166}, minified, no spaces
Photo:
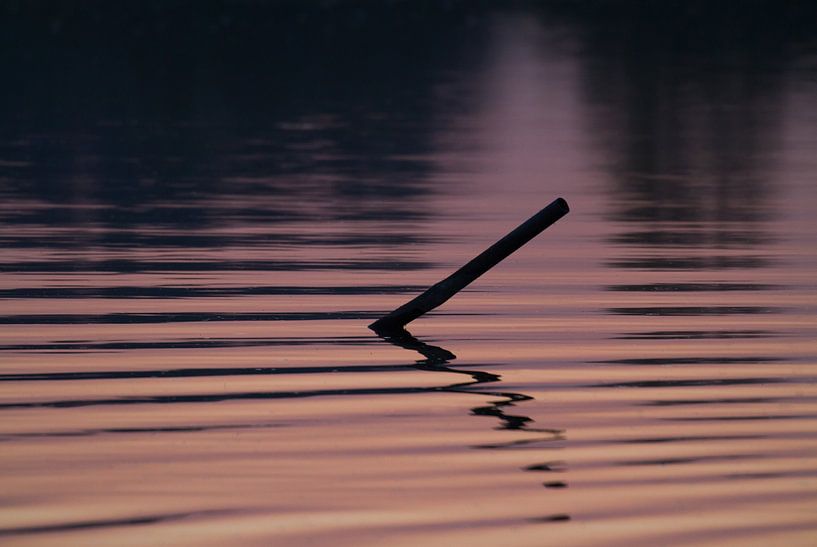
{"x":440,"y":292}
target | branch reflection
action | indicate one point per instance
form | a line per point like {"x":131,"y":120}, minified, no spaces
{"x":437,"y":359}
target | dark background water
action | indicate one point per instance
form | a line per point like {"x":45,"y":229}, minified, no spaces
{"x":143,"y":107}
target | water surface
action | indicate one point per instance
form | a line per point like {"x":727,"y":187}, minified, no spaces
{"x":198,"y":224}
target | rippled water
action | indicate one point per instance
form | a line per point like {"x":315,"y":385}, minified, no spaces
{"x":193,"y":244}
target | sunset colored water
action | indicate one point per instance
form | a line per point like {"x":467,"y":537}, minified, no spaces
{"x":191,"y":248}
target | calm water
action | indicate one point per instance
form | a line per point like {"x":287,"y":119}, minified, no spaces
{"x":198,"y":224}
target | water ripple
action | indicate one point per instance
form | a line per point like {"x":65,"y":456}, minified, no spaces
{"x":111,"y":523}
{"x":672,"y":361}
{"x":693,"y":287}
{"x":131,"y":266}
{"x":698,"y":335}
{"x":673,"y":311}
{"x":202,"y":292}
{"x":711,"y":262}
{"x":182,"y":317}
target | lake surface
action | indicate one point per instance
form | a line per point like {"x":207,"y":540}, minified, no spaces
{"x":197,"y":225}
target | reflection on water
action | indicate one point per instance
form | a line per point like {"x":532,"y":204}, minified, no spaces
{"x":201,"y":212}
{"x":435,"y":359}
